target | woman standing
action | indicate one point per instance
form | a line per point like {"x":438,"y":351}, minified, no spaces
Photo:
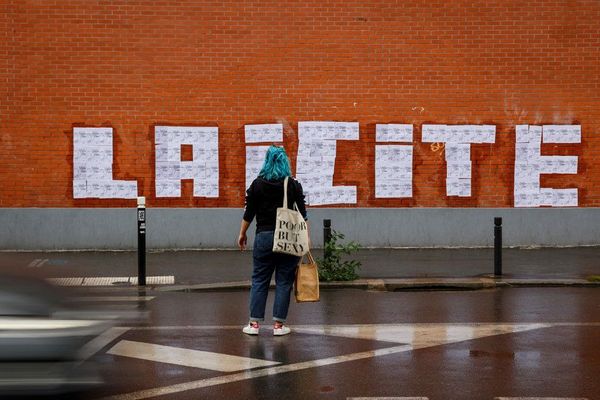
{"x":263,"y":197}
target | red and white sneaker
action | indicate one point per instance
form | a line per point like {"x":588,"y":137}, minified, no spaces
{"x":251,"y":329}
{"x":280,"y":330}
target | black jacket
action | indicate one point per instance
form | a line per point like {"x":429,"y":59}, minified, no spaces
{"x":263,"y":197}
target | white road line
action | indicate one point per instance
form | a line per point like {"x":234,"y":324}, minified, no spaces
{"x":33,"y":263}
{"x":187,"y":357}
{"x":298,"y":328}
{"x":387,"y":398}
{"x":220,"y":380}
{"x":540,"y":398}
{"x":245,"y":375}
{"x":49,"y":325}
{"x":419,"y":335}
{"x":186,"y":327}
{"x":96,"y":344}
{"x":112,"y":298}
{"x":36,"y":263}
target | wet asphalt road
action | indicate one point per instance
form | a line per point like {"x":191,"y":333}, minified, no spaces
{"x":190,"y":267}
{"x":466,"y":345}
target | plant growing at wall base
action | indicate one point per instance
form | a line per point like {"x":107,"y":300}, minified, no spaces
{"x":331,"y":266}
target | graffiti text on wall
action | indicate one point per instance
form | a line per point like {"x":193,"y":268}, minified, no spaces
{"x":315,"y":160}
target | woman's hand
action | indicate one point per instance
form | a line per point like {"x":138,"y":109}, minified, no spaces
{"x":242,"y":240}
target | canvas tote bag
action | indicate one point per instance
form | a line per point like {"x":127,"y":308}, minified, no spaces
{"x":291,"y":232}
{"x":306,"y":287}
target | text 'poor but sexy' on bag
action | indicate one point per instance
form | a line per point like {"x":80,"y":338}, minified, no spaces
{"x":291,"y":230}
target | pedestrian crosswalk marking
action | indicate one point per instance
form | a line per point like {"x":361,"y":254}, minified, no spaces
{"x":258,"y":373}
{"x":421,"y":336}
{"x":187,"y":357}
{"x":155,"y":280}
{"x":111,"y":280}
{"x":418,"y":335}
{"x":76,"y":281}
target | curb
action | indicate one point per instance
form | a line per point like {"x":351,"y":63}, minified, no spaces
{"x":392,"y":285}
{"x":546,"y":283}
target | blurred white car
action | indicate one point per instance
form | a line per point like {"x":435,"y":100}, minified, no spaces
{"x":40,"y":351}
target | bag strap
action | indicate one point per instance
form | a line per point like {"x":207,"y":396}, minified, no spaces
{"x":285,"y":203}
{"x":285,"y":182}
{"x":310,"y":258}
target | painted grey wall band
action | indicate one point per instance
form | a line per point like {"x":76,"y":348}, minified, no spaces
{"x":209,"y":228}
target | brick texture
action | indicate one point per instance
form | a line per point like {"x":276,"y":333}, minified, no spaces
{"x":134,"y":64}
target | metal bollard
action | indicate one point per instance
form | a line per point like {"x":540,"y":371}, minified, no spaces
{"x":326,"y":236}
{"x":141,"y":224}
{"x":498,"y":246}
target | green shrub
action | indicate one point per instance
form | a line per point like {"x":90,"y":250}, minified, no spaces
{"x":593,"y":278}
{"x":331,"y":266}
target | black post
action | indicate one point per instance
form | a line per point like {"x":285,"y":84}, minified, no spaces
{"x":326,"y":237}
{"x":497,"y":246}
{"x":141,"y":224}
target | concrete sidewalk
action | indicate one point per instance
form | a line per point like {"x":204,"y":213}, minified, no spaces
{"x":382,"y":269}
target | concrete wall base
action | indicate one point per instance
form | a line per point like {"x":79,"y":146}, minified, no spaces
{"x":205,"y":228}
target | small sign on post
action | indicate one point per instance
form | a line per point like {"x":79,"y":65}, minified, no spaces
{"x":141,"y":224}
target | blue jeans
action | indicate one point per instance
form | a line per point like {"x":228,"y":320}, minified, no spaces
{"x":265,"y":262}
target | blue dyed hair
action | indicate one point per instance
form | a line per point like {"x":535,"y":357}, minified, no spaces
{"x":276,"y":165}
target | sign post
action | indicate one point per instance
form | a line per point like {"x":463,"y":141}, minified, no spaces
{"x":498,"y":246}
{"x":141,"y":224}
{"x":326,"y":237}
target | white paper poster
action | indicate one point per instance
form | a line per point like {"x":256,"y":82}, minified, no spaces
{"x":458,"y":187}
{"x":255,"y":155}
{"x":458,"y":140}
{"x":393,"y":171}
{"x":203,"y":169}
{"x":394,"y":133}
{"x":315,"y":163}
{"x":93,"y":166}
{"x":561,"y":133}
{"x":530,"y":164}
{"x":393,"y":163}
{"x":263,"y":133}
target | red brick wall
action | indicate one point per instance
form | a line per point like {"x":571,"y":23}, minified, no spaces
{"x":134,"y":64}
